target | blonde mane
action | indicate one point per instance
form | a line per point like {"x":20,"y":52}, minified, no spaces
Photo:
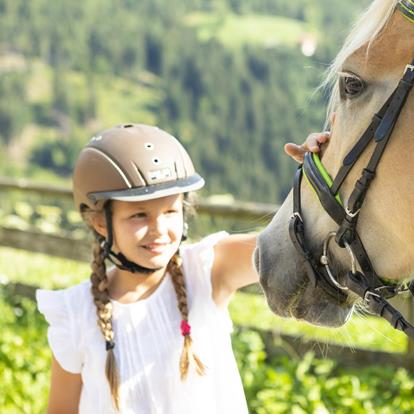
{"x":365,"y":30}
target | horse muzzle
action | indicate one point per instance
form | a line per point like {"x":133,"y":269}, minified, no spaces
{"x":285,"y":281}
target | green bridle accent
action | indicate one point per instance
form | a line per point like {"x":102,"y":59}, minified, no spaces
{"x":324,"y":174}
{"x":406,"y":7}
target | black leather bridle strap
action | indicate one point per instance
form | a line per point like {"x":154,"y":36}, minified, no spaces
{"x":353,"y":155}
{"x":377,"y":304}
{"x":406,"y":7}
{"x":297,"y":231}
{"x":380,"y":128}
{"x":398,"y":100}
{"x":337,"y":213}
{"x":297,"y":236}
{"x":326,"y":197}
{"x":382,"y":136}
{"x":368,"y":284}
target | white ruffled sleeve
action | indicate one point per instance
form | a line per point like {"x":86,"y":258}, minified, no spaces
{"x":201,"y":255}
{"x":62,"y":332}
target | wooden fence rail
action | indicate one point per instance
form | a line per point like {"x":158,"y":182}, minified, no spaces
{"x":294,"y":346}
{"x":237,"y":209}
{"x":75,"y":249}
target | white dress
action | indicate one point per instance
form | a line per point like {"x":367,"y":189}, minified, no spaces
{"x":148,"y":345}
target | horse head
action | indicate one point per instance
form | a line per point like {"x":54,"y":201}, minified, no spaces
{"x":367,"y":71}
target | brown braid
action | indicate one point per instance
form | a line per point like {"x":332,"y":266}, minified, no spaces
{"x":177,"y":276}
{"x":103,"y":305}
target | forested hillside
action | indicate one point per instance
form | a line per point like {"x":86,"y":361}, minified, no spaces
{"x":232,"y":79}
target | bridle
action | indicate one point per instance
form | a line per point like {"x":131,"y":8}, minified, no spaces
{"x":364,"y":282}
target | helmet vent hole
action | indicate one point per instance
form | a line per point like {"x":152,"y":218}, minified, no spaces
{"x":149,"y":146}
{"x":127,"y":126}
{"x":156,"y":160}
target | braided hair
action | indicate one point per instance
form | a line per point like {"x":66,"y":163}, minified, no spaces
{"x":101,"y":299}
{"x":176,"y":271}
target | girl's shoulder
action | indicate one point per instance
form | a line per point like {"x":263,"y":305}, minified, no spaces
{"x":205,"y":245}
{"x":198,"y":259}
{"x":74,"y":294}
{"x":66,"y":311}
{"x":66,"y":302}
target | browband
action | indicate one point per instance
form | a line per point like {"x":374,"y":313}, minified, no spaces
{"x":406,"y":7}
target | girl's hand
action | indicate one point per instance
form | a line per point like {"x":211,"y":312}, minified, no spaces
{"x":311,"y":144}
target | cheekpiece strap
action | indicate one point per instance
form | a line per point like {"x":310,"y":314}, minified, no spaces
{"x":406,"y":7}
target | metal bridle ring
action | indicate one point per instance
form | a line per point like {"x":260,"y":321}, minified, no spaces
{"x":325,"y":261}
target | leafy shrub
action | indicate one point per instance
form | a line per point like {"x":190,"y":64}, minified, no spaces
{"x":24,"y":357}
{"x":309,"y":385}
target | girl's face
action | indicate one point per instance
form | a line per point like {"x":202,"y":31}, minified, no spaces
{"x":148,"y":232}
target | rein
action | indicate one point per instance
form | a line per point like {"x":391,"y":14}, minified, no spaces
{"x":364,"y":282}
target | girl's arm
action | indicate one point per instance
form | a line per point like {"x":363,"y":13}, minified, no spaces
{"x":65,"y":391}
{"x":233,"y":266}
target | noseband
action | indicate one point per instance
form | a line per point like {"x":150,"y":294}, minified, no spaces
{"x":364,"y":282}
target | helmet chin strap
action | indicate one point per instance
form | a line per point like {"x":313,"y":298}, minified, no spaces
{"x":118,"y":259}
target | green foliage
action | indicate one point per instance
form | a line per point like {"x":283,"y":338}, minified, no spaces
{"x":56,"y":155}
{"x":277,"y":385}
{"x":281,"y":385}
{"x":236,"y":31}
{"x":227,"y":77}
{"x":13,"y":115}
{"x":24,"y":357}
{"x":284,"y":385}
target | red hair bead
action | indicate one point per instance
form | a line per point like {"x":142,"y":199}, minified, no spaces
{"x":185,"y":328}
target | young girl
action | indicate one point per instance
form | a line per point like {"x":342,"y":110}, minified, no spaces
{"x":151,"y":334}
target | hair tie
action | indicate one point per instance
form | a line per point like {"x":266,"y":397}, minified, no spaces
{"x":185,"y":328}
{"x":109,"y":345}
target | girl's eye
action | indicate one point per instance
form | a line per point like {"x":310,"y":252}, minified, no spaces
{"x":139,"y":215}
{"x":351,"y":86}
{"x":172,"y":211}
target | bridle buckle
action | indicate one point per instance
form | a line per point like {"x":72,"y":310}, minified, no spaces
{"x":369,"y":293}
{"x":296,"y":214}
{"x":349,"y":213}
{"x":409,"y":67}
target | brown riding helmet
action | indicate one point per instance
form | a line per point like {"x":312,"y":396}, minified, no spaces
{"x":132,"y":162}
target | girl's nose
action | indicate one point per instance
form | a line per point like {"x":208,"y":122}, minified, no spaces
{"x":159,"y":224}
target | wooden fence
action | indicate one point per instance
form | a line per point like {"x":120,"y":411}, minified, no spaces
{"x":276,"y":342}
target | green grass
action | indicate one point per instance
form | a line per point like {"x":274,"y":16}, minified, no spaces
{"x":246,"y":309}
{"x":236,"y":31}
{"x":363,"y":332}
{"x":39,"y":269}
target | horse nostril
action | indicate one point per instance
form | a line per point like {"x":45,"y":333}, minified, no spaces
{"x":256,"y":262}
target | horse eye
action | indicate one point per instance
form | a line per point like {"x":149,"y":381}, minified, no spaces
{"x":351,"y":86}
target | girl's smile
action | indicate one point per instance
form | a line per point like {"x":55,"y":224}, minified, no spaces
{"x":156,"y":247}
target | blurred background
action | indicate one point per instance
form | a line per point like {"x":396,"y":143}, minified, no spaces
{"x":233,"y":80}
